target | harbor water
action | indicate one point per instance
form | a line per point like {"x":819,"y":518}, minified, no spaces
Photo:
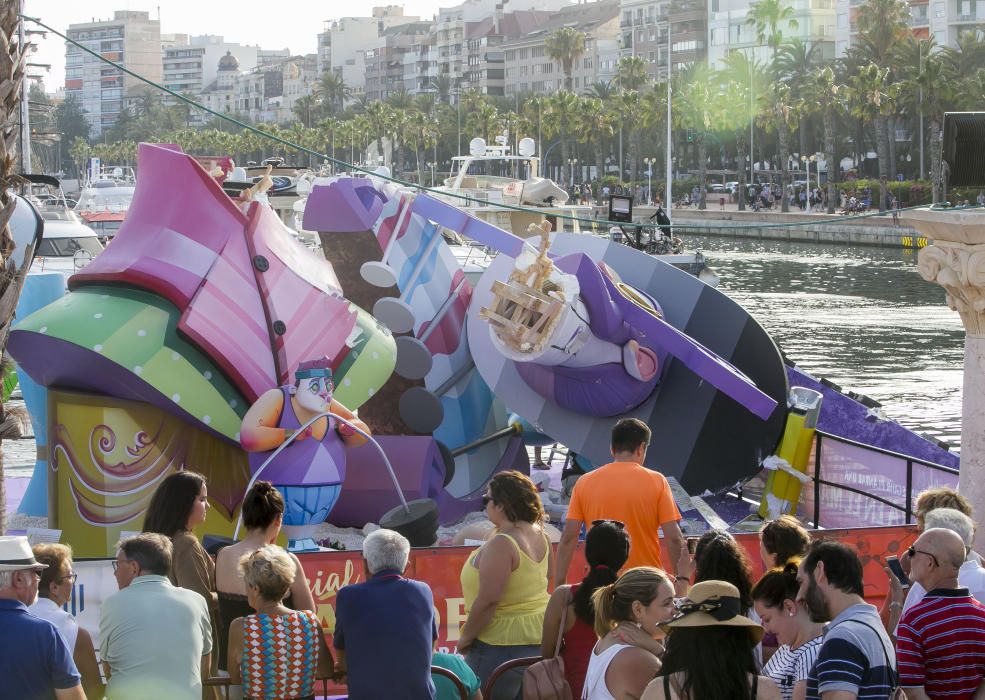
{"x":860,"y":316}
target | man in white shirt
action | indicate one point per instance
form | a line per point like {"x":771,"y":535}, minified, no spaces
{"x":971,"y":575}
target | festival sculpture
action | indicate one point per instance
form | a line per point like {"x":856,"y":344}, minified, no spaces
{"x":310,"y":470}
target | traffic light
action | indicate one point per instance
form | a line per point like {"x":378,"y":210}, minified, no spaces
{"x":690,"y":135}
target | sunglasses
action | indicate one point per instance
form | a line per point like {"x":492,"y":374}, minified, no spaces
{"x":912,"y":551}
{"x":617,"y":523}
{"x":486,"y":500}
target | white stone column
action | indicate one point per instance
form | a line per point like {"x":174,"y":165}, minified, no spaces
{"x":955,"y":259}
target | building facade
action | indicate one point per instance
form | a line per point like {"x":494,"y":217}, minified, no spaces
{"x":813,"y":22}
{"x":190,"y":67}
{"x":131,"y":39}
{"x":944,"y":20}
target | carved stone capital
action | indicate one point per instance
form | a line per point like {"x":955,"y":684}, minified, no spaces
{"x":960,"y":269}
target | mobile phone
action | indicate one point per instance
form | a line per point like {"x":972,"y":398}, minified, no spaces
{"x":897,"y":569}
{"x":692,"y":544}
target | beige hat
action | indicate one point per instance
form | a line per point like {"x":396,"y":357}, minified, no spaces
{"x":712,"y":603}
{"x":16,"y":555}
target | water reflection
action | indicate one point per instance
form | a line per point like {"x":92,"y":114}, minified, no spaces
{"x":862,"y":317}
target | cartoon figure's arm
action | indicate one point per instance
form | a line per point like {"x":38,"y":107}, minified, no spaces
{"x":349,"y":436}
{"x":259,"y":431}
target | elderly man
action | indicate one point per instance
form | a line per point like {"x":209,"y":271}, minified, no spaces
{"x":34,"y":659}
{"x":155,"y":638}
{"x":941,"y":639}
{"x":971,"y":575}
{"x":385,"y":627}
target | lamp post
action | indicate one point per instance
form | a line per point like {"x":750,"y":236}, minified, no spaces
{"x":430,"y":165}
{"x":572,"y":162}
{"x":807,"y":160}
{"x":649,"y":162}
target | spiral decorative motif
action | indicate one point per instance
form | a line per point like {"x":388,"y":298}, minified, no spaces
{"x":960,"y":269}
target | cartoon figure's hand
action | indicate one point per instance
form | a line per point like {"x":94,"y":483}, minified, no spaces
{"x":345,"y":431}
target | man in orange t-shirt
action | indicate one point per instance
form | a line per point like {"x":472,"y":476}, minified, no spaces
{"x":626,"y":491}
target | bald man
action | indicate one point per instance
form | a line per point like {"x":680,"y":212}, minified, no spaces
{"x":941,"y":640}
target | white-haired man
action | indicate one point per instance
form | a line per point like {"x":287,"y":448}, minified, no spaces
{"x":971,"y":575}
{"x":385,"y":628}
{"x":35,"y":662}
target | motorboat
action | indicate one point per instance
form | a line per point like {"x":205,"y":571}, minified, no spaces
{"x":68,"y":244}
{"x":104,"y":201}
{"x":491,"y":182}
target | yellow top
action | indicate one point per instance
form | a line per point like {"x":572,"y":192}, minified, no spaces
{"x":519,"y":616}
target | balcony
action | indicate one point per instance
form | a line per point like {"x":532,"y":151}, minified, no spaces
{"x":919,"y":21}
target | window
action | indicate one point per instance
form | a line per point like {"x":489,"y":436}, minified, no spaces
{"x":938,"y":10}
{"x":842,"y":20}
{"x":719,"y":36}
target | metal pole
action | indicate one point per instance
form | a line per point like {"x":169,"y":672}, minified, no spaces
{"x":922,"y":171}
{"x":25,"y":116}
{"x":751,"y":120}
{"x":668,"y":202}
{"x":620,"y":152}
{"x":458,"y":103}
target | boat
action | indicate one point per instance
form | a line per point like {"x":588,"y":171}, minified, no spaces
{"x":68,"y":244}
{"x":491,"y":182}
{"x":105,"y":199}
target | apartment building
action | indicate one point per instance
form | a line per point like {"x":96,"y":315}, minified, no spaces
{"x":386,"y":64}
{"x":131,"y":39}
{"x":267,"y":93}
{"x":944,"y":20}
{"x":343,"y":43}
{"x":813,"y":22}
{"x":191,"y":66}
{"x":528,"y":69}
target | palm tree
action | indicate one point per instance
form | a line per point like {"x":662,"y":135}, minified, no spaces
{"x":597,"y":119}
{"x":746,"y":105}
{"x":380,"y":116}
{"x":795,"y":62}
{"x":484,"y":120}
{"x":333,"y":91}
{"x":766,"y":17}
{"x":602,"y":89}
{"x":566,"y":46}
{"x":693,"y":111}
{"x":873,"y":100}
{"x":778,"y":117}
{"x":441,"y":85}
{"x":823,"y":92}
{"x":560,"y":113}
{"x":931,"y":91}
{"x":631,"y":73}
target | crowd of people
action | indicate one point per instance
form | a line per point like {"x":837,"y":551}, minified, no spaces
{"x":657,"y":618}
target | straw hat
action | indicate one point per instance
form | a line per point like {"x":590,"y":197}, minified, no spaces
{"x":712,"y":603}
{"x":16,"y":555}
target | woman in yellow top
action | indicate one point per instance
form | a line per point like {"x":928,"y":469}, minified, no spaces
{"x":504,"y":583}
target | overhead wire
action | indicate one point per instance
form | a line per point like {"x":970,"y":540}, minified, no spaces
{"x":711,"y":224}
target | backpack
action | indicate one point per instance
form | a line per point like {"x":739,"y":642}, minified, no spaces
{"x":545,"y":680}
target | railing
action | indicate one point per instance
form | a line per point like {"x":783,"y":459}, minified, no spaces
{"x":876,"y":474}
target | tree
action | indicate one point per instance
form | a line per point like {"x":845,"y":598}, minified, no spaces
{"x":766,"y":17}
{"x":596,"y":118}
{"x":71,"y":124}
{"x":560,"y":113}
{"x":931,"y":91}
{"x":745,"y":77}
{"x":566,"y":46}
{"x":777,"y":117}
{"x":332,"y":91}
{"x":795,"y":62}
{"x":380,"y":115}
{"x":823,"y":91}
{"x":631,"y":73}
{"x":602,"y":90}
{"x":873,"y":100}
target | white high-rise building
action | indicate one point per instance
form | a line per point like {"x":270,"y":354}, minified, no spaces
{"x":944,"y":20}
{"x":190,"y":67}
{"x":729,"y":31}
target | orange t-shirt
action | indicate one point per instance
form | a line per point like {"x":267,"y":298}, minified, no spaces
{"x":632,"y":494}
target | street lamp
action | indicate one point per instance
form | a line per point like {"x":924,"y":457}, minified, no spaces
{"x":431,"y":165}
{"x":807,"y":160}
{"x":572,"y":162}
{"x":649,"y":162}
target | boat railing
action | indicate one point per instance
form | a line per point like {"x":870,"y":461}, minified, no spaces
{"x":855,"y":484}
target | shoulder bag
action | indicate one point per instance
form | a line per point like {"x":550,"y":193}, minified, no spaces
{"x":545,"y":680}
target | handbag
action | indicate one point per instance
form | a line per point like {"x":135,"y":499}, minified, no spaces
{"x":545,"y":680}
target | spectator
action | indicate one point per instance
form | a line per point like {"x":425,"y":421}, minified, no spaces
{"x":970,"y":575}
{"x":55,"y":591}
{"x":626,"y":491}
{"x":628,"y":615}
{"x":263,"y":514}
{"x":504,"y":583}
{"x":781,"y":540}
{"x":856,"y":659}
{"x":178,"y":506}
{"x":606,"y":550}
{"x":940,"y":497}
{"x":278,"y":652}
{"x":155,"y":638}
{"x":35,"y":661}
{"x":709,"y":650}
{"x":775,"y":596}
{"x":444,"y":688}
{"x":384,"y":627}
{"x":718,"y":557}
{"x":941,"y":643}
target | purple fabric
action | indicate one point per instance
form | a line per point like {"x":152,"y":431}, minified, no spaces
{"x":600,"y":390}
{"x":308,"y":462}
{"x":843,"y":416}
{"x":347,"y":205}
{"x":604,"y":316}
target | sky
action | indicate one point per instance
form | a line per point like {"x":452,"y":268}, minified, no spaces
{"x":294,"y":26}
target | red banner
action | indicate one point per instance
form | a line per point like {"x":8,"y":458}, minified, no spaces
{"x":440,"y":568}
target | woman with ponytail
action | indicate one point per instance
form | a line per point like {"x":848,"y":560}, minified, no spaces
{"x":606,"y":551}
{"x":628,"y":615}
{"x":263,"y":513}
{"x":775,"y":598}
